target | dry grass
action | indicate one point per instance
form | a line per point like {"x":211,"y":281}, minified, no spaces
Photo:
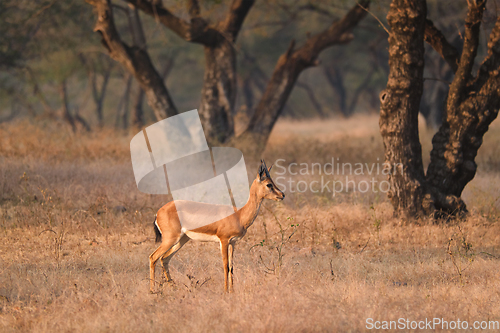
{"x":70,"y":262}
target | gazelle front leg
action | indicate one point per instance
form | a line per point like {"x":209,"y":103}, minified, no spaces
{"x":230,"y":261}
{"x":224,"y":247}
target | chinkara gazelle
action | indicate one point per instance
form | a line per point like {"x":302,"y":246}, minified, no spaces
{"x":227,"y":231}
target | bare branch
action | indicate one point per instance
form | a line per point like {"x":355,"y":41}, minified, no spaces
{"x":235,"y":17}
{"x":338,"y":32}
{"x":437,"y":40}
{"x":376,"y":18}
{"x":291,"y":64}
{"x":317,"y":9}
{"x":469,"y":51}
{"x":197,"y":31}
{"x":135,"y":59}
{"x":491,"y":63}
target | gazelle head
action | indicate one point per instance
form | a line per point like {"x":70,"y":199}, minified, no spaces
{"x":266,"y":188}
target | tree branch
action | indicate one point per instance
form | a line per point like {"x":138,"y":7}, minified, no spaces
{"x":135,"y":59}
{"x":339,"y":32}
{"x":492,"y":61}
{"x":197,"y":31}
{"x":235,"y":17}
{"x":135,"y":24}
{"x":435,"y":38}
{"x":469,"y":51}
{"x":291,"y":64}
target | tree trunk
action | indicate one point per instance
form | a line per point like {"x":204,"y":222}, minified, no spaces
{"x":335,"y":79}
{"x":99,"y":94}
{"x":219,"y":87}
{"x":400,"y":105}
{"x":218,"y":94}
{"x":312,"y":98}
{"x":123,"y":107}
{"x":472,"y":105}
{"x":138,"y":118}
{"x":67,"y":114}
{"x":65,"y":105}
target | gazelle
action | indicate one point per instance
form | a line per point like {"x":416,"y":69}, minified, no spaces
{"x":227,"y":231}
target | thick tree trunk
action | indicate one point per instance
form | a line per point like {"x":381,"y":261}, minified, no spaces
{"x":472,"y":105}
{"x":218,"y":94}
{"x":400,"y":105}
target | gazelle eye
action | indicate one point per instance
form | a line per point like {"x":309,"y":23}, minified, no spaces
{"x":270,"y":185}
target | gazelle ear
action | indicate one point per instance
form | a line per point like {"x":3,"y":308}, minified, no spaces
{"x":263,"y":173}
{"x":266,"y":171}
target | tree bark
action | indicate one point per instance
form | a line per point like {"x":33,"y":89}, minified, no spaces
{"x":400,"y":105}
{"x":218,"y":94}
{"x":472,"y":105}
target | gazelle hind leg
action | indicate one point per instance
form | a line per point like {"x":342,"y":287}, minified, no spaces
{"x":224,"y":244}
{"x":166,"y":244}
{"x":230,"y":262}
{"x":165,"y":259}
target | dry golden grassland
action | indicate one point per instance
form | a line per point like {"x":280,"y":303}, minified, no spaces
{"x":71,"y":261}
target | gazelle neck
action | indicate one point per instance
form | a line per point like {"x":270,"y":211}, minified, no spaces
{"x":249,"y":212}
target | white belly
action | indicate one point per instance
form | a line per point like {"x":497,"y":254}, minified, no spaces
{"x":201,"y":237}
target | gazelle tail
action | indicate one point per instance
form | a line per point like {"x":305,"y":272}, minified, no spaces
{"x":157,"y":232}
